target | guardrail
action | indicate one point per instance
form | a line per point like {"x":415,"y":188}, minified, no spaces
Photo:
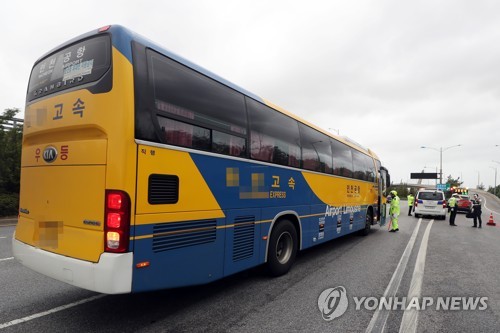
{"x":9,"y":124}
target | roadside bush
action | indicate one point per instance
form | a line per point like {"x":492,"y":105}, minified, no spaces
{"x":11,"y":134}
{"x":9,"y":204}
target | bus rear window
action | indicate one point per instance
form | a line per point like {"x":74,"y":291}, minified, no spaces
{"x":80,"y":63}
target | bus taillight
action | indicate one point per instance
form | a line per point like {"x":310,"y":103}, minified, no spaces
{"x":114,"y":200}
{"x":114,"y":220}
{"x":117,"y":217}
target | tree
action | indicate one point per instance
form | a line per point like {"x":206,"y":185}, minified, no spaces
{"x":10,"y":162}
{"x":402,"y":189}
{"x":454,"y":182}
{"x":495,"y":191}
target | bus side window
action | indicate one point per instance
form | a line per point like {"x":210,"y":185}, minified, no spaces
{"x":227,"y":144}
{"x":370,"y":169}
{"x":359,"y":165}
{"x":185,"y":135}
{"x":274,"y":137}
{"x":261,"y":147}
{"x":342,"y":159}
{"x":316,"y":150}
{"x":195,"y":111}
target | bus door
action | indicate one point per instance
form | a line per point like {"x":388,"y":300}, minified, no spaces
{"x":382,"y":195}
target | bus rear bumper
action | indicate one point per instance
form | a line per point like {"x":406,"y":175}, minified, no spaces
{"x":111,"y":275}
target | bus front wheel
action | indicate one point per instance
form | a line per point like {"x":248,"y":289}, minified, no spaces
{"x":368,"y":224}
{"x":282,"y":248}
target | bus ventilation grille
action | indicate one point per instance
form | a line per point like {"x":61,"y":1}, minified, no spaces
{"x":171,"y":236}
{"x":163,"y":189}
{"x":244,"y":236}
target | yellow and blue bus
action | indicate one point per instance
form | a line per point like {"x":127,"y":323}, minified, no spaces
{"x":144,"y":171}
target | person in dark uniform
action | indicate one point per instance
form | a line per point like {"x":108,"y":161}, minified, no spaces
{"x":476,"y":206}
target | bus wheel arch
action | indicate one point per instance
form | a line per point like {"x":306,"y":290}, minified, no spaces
{"x":283,"y":245}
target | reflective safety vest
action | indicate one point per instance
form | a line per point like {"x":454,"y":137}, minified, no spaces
{"x":394,"y":207}
{"x":411,"y":200}
{"x":452,"y":202}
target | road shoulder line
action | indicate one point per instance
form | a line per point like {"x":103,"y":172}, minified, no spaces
{"x":410,"y":317}
{"x":379,"y":318}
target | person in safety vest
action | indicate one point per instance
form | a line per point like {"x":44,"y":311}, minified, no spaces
{"x":411,"y":201}
{"x":452,"y":205}
{"x":394,"y":211}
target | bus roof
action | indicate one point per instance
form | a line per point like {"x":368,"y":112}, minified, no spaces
{"x":122,"y":37}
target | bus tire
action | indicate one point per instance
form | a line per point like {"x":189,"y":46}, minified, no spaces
{"x":368,"y":224}
{"x":283,"y":246}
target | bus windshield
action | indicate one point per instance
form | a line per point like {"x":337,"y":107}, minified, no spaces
{"x":82,"y":62}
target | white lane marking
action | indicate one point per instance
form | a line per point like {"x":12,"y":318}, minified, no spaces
{"x":41,"y":314}
{"x":410,"y":317}
{"x":3,"y":259}
{"x":486,"y":207}
{"x":491,"y":210}
{"x":379,"y":318}
{"x":2,"y":237}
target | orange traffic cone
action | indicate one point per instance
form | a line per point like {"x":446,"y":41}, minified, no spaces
{"x":491,"y":222}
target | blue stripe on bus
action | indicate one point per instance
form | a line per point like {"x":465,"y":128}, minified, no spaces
{"x":281,"y":186}
{"x":180,"y":254}
{"x":122,"y":39}
{"x":177,"y":263}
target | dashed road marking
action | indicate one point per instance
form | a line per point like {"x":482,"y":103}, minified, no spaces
{"x":45,"y":313}
{"x":379,"y":318}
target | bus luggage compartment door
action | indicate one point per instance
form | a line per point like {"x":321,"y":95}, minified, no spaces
{"x":62,"y":210}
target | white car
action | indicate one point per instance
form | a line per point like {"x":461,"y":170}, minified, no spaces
{"x":431,"y":203}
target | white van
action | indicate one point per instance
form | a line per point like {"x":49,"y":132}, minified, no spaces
{"x":430,"y":202}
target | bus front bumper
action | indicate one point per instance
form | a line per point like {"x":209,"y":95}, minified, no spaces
{"x":111,"y":275}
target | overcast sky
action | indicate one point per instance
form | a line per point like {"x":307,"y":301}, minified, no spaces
{"x":393,"y":75}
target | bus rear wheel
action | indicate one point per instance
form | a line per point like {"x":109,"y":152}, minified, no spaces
{"x":282,"y":248}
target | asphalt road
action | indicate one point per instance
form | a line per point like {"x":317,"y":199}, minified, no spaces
{"x":447,"y":264}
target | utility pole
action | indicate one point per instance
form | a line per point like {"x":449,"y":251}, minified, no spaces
{"x":440,"y":150}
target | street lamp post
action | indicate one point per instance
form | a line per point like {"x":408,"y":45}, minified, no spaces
{"x":436,"y":168}
{"x":440,"y":150}
{"x":495,"y":191}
